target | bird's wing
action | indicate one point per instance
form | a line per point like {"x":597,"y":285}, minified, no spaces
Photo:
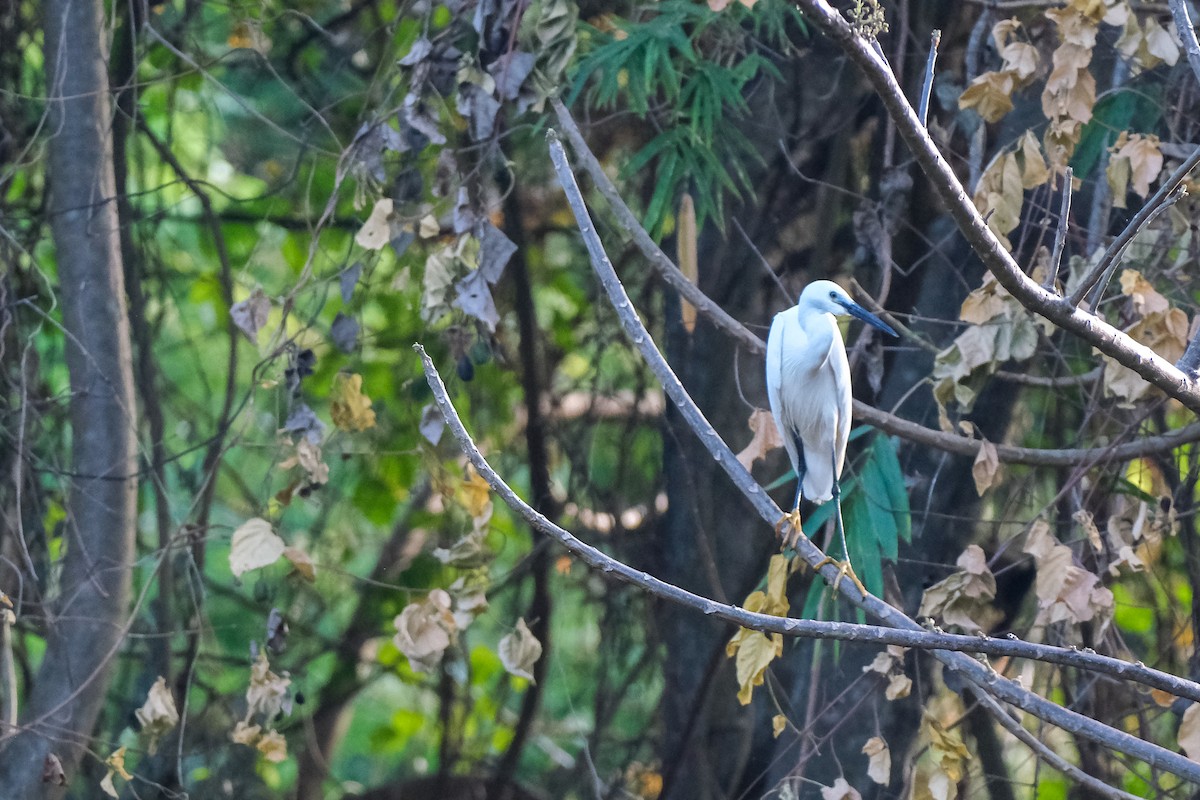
{"x":839,"y":367}
{"x":775,"y":342}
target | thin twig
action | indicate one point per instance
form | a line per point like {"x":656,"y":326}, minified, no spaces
{"x":1060,"y":236}
{"x":1046,"y":754}
{"x":1101,"y":274}
{"x":968,"y":668}
{"x":1187,"y":34}
{"x":935,"y":38}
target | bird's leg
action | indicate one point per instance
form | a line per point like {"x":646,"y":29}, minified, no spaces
{"x":792,"y":519}
{"x":844,"y":568}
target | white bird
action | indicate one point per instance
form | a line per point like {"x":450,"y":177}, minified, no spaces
{"x":808,"y":385}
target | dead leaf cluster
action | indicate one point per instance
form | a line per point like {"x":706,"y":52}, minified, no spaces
{"x":964,"y":599}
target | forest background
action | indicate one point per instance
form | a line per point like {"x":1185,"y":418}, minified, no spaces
{"x":244,"y":552}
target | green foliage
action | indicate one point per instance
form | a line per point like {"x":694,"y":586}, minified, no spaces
{"x":689,"y":67}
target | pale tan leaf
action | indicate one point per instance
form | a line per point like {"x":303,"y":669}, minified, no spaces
{"x":254,"y":545}
{"x":1034,"y":171}
{"x":267,"y":691}
{"x":1085,"y":520}
{"x":879,"y":768}
{"x":424,"y":630}
{"x":158,"y":714}
{"x":251,"y":314}
{"x":986,"y":469}
{"x":376,"y":231}
{"x":765,"y":439}
{"x":1189,"y":732}
{"x":428,"y":227}
{"x":245,"y":733}
{"x":899,"y":686}
{"x":52,"y":771}
{"x":1146,"y":299}
{"x":519,"y":651}
{"x":841,"y":790}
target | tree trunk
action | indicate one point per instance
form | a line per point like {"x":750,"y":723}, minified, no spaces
{"x":85,"y":622}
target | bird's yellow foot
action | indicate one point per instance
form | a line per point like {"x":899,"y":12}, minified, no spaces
{"x":844,"y":571}
{"x":788,"y":528}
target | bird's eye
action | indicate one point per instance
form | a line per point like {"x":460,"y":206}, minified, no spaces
{"x":833,"y":295}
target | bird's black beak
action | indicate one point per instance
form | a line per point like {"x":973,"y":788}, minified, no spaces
{"x":866,"y":316}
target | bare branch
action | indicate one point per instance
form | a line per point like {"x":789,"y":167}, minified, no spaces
{"x":1096,"y":332}
{"x":1167,"y":195}
{"x":1187,"y":34}
{"x":916,"y":637}
{"x":968,"y":668}
{"x":935,"y":38}
{"x":1060,"y":237}
{"x":1047,"y":754}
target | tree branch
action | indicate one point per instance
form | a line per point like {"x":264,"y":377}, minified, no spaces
{"x":911,"y":635}
{"x":968,"y":668}
{"x":1094,"y":331}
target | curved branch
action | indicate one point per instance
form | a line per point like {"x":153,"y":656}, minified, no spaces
{"x":914,"y":636}
{"x":968,"y":668}
{"x":1046,"y":754}
{"x":1096,"y":332}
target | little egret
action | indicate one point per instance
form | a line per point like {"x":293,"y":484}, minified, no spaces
{"x":808,"y":385}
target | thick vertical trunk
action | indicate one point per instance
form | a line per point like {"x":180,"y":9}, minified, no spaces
{"x":84,"y":623}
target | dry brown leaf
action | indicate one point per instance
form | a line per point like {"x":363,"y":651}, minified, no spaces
{"x":986,"y":469}
{"x":990,"y":95}
{"x":947,"y":749}
{"x":879,"y":768}
{"x":1146,"y":299}
{"x":765,"y":439}
{"x":1162,"y":698}
{"x":251,"y":314}
{"x":1144,"y":158}
{"x":302,"y":562}
{"x":245,"y":733}
{"x":254,"y":545}
{"x":350,"y":408}
{"x":1085,"y":520}
{"x":376,"y":231}
{"x":519,"y":651}
{"x":963,"y":599}
{"x":428,"y":227}
{"x":52,"y":771}
{"x":1034,"y":171}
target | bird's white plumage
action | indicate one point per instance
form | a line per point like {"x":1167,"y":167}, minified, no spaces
{"x":808,"y":386}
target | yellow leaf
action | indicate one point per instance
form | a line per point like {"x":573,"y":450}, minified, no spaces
{"x":765,"y":439}
{"x":351,"y":409}
{"x":519,"y":651}
{"x":947,"y":749}
{"x":116,"y":763}
{"x":475,"y":493}
{"x":273,"y":747}
{"x":778,"y":725}
{"x":689,"y":259}
{"x":376,"y":231}
{"x":754,"y":653}
{"x":990,"y":95}
{"x":254,"y":545}
{"x":879,"y":768}
{"x":899,"y":686}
